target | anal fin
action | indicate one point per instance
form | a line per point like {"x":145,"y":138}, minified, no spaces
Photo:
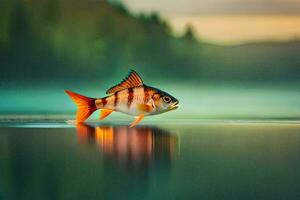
{"x":105,"y":113}
{"x":137,"y":120}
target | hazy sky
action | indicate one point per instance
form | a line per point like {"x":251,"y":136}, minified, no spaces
{"x":217,"y":6}
{"x":229,"y":21}
{"x":238,"y":29}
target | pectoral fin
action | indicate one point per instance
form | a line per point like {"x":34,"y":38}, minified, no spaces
{"x":105,"y":113}
{"x":137,"y":120}
{"x":144,"y":107}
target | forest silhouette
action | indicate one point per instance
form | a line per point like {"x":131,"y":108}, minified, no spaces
{"x":88,"y":40}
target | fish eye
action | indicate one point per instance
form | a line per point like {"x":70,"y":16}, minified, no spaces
{"x":167,"y":99}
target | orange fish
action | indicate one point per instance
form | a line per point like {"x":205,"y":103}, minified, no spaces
{"x":131,"y":97}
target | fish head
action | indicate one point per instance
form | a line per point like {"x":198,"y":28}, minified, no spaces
{"x":164,"y":102}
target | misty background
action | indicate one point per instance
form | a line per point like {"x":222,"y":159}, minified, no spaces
{"x":89,"y":45}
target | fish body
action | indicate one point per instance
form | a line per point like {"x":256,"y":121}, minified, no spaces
{"x":131,"y":97}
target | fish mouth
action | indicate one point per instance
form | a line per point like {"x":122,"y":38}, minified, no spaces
{"x":174,"y":105}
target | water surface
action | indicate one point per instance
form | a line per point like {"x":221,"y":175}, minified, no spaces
{"x":215,"y":160}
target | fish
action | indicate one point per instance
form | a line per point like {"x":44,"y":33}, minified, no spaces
{"x":131,"y":96}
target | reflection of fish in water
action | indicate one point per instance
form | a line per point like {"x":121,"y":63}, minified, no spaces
{"x":131,"y":97}
{"x":137,"y":146}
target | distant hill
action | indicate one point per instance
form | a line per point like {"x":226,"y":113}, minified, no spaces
{"x":256,"y":61}
{"x":89,"y":39}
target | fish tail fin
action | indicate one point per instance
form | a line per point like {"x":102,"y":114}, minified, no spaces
{"x":86,"y":106}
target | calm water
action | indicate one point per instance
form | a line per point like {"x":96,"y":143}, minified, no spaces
{"x":216,"y":160}
{"x":213,"y":101}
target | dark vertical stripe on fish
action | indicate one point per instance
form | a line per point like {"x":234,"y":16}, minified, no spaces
{"x":104,"y":101}
{"x":146,"y":94}
{"x":116,"y":99}
{"x":130,"y":96}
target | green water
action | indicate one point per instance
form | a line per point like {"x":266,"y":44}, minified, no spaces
{"x":198,"y":100}
{"x":224,"y":142}
{"x":170,"y":160}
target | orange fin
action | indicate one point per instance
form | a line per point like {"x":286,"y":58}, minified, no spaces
{"x":144,"y":107}
{"x":105,"y":113}
{"x":137,"y":120}
{"x":131,"y":80}
{"x":86,"y":106}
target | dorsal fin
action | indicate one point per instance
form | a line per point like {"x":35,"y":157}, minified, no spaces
{"x":130,"y":81}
